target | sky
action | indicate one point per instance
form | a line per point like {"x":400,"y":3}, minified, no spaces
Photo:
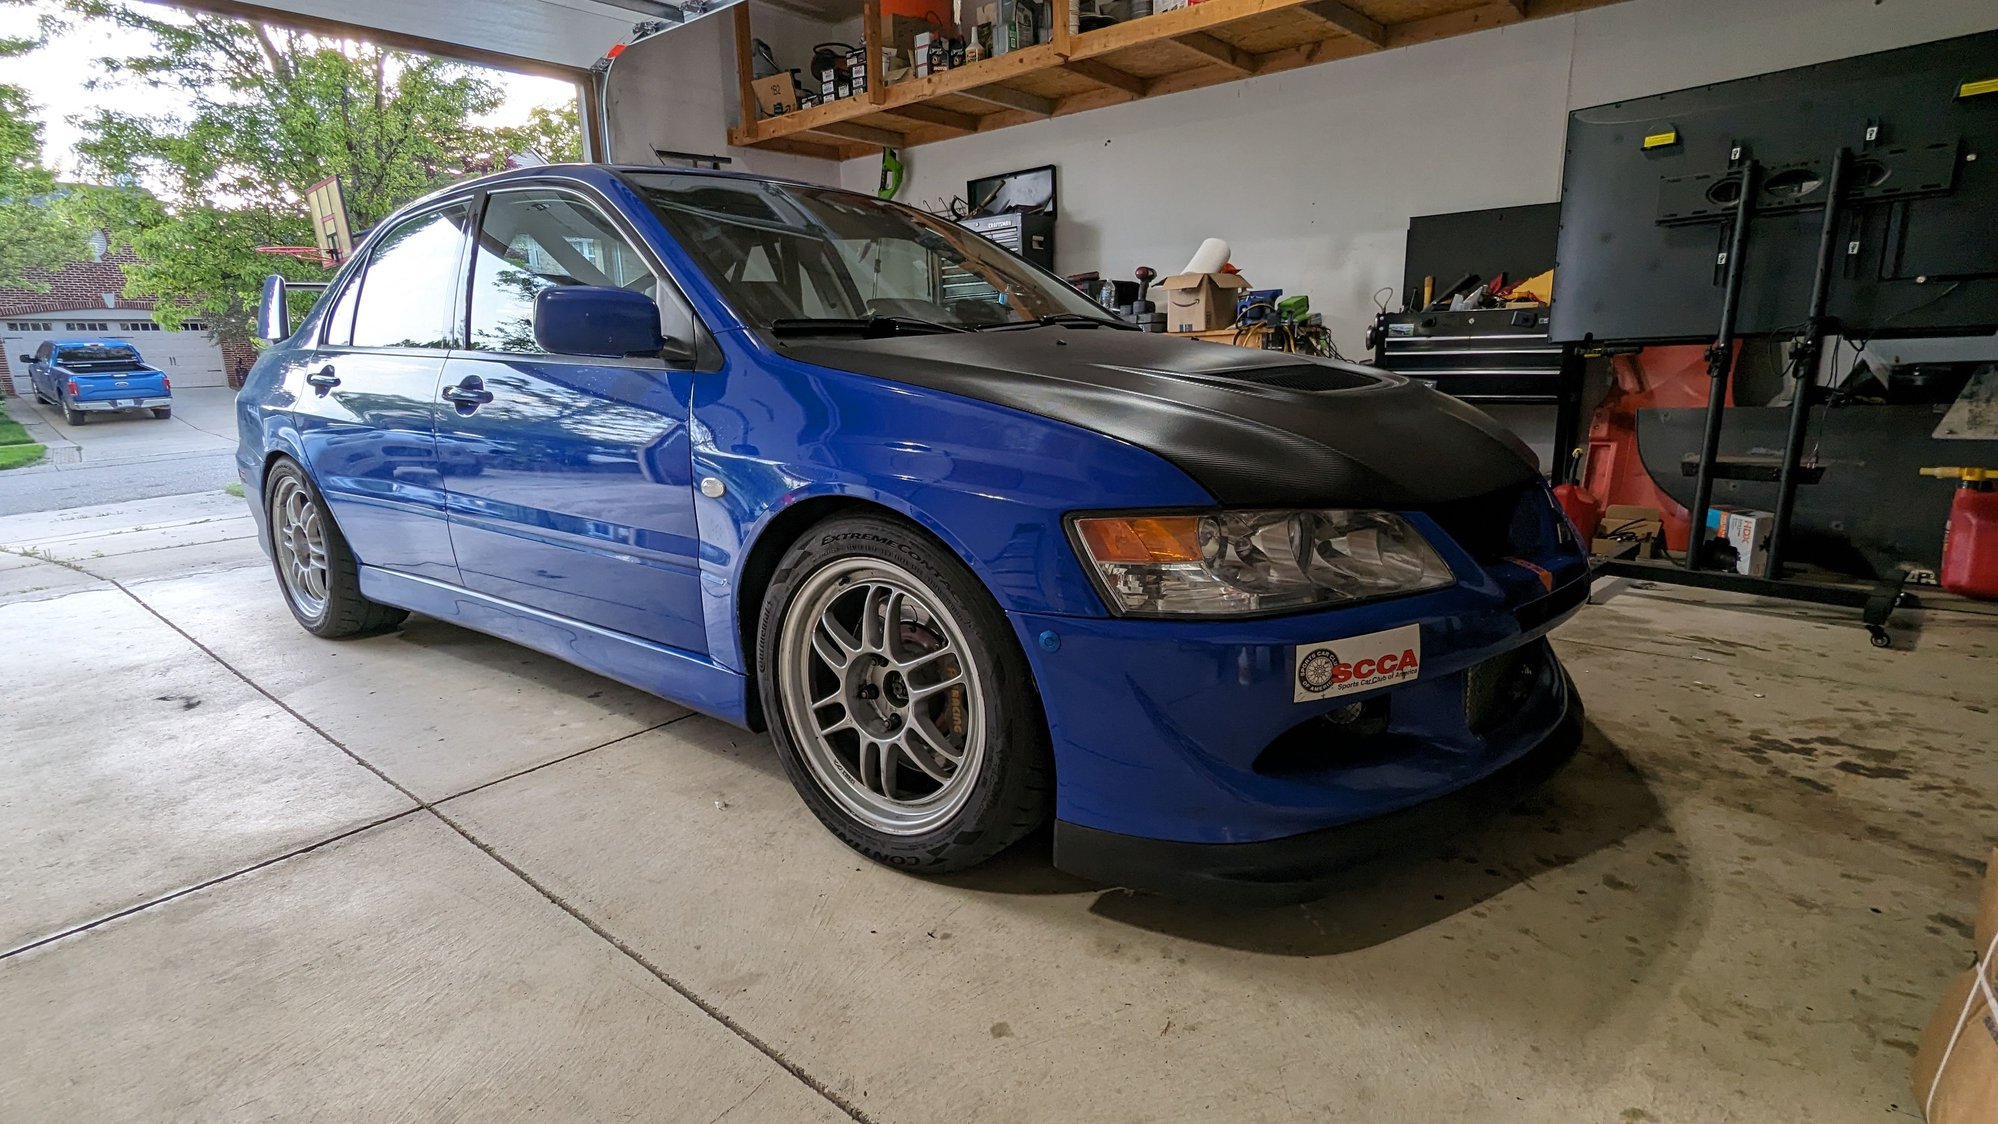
{"x":55,"y":78}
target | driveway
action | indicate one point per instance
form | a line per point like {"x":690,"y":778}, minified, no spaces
{"x":125,"y":456}
{"x":251,"y":874}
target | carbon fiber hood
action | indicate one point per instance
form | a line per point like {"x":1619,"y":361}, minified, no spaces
{"x":1254,"y":428}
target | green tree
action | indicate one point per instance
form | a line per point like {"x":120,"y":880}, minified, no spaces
{"x":39,"y":229}
{"x":555,"y":135}
{"x":258,"y":115}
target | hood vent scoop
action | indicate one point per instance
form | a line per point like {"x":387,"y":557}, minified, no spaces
{"x":1307,"y":377}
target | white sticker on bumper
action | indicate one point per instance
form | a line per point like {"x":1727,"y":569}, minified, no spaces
{"x":1358,"y":663}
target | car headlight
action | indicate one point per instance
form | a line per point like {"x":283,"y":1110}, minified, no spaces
{"x":1242,"y":562}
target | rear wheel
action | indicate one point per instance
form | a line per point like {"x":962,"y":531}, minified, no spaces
{"x":902,"y":709}
{"x":73,"y":416}
{"x":317,"y":572}
{"x":163,"y":412}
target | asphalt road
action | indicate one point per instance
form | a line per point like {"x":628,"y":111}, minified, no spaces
{"x":51,"y":488}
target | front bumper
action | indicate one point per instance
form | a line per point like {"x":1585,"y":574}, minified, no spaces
{"x":1183,"y":739}
{"x":108,"y":405}
{"x":1298,"y":868}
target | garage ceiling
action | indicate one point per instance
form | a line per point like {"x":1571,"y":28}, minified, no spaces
{"x":556,"y":34}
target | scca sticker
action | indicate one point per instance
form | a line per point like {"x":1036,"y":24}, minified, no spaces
{"x":1359,"y":663}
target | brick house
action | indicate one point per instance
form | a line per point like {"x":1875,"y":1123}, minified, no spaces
{"x":85,"y":300}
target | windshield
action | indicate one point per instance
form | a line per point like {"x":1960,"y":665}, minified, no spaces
{"x":97,"y":353}
{"x":789,"y":252}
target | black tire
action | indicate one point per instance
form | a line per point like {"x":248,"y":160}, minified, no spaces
{"x":1012,"y":792}
{"x":163,"y":412}
{"x":344,"y":611}
{"x":74,"y":416}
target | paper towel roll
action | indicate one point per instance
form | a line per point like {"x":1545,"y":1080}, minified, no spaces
{"x":1212,"y":255}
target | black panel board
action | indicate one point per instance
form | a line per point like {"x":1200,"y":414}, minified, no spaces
{"x":1516,"y":241}
{"x":1639,"y":237}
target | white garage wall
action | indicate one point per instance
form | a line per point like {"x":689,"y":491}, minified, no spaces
{"x":1312,"y":175}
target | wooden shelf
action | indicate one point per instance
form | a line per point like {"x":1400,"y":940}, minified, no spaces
{"x":1204,"y":44}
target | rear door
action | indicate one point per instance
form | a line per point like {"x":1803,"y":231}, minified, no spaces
{"x":571,"y":486}
{"x":365,"y":396}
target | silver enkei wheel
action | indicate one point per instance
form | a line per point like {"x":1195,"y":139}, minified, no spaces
{"x":881,"y":696}
{"x":299,"y":533}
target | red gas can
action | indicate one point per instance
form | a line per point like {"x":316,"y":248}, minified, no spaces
{"x":1970,"y":539}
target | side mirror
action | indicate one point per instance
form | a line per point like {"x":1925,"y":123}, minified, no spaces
{"x":597,"y":320}
{"x":274,"y":308}
{"x":273,"y":318}
{"x":27,"y":359}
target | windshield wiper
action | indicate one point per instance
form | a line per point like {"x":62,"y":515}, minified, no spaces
{"x":868,"y":327}
{"x":1077,"y":319}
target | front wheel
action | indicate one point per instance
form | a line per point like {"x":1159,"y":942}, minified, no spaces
{"x":902,"y":708}
{"x":317,"y":572}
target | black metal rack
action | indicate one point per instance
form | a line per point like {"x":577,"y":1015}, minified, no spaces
{"x":1850,"y":217}
{"x":1876,"y":602}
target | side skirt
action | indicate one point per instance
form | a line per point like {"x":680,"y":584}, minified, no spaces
{"x":667,"y":672}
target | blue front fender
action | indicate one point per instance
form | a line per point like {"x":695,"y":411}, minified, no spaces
{"x":776,"y":433}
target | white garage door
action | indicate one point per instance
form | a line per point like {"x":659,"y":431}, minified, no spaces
{"x":188,"y":356}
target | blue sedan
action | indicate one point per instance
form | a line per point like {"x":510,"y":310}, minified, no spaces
{"x":974,"y":552}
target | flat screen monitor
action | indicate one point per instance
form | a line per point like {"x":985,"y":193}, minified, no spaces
{"x":1647,"y":201}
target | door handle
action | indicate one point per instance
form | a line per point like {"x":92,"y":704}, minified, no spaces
{"x":469,"y":395}
{"x":324,"y":378}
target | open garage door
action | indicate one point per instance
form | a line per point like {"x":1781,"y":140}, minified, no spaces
{"x":189,"y":357}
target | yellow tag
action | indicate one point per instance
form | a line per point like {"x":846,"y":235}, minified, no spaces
{"x":1660,"y":140}
{"x":1972,"y":89}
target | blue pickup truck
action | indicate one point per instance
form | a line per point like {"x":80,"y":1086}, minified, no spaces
{"x":91,"y":376}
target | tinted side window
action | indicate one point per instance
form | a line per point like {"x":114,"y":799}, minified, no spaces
{"x":409,"y":294}
{"x":532,"y":240}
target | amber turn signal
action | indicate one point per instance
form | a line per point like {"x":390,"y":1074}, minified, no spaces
{"x":1141,"y":539}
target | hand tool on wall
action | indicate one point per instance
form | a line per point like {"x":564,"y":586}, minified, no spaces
{"x":892,"y":170}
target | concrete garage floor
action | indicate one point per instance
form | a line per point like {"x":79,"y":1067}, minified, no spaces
{"x":248,"y":874}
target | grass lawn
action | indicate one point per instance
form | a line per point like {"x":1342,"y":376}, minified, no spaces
{"x":20,"y":456}
{"x":16,"y":451}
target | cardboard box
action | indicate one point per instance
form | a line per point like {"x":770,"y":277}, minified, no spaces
{"x":777,"y":94}
{"x":1629,"y":530}
{"x":1956,"y":1064}
{"x":1747,"y":531}
{"x":1200,"y":302}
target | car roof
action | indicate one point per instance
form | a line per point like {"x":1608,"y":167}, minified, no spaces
{"x":90,"y":343}
{"x":594,"y":175}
